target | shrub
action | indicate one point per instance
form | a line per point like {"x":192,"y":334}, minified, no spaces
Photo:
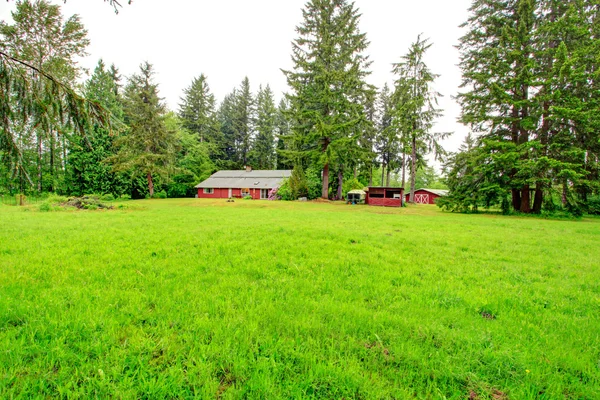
{"x":160,"y":195}
{"x":315,"y":185}
{"x":285,"y":192}
{"x":593,"y":205}
{"x":107,"y":197}
{"x":351,"y":184}
{"x":125,"y":197}
{"x":90,"y":207}
{"x":247,"y":197}
{"x":298,"y":183}
{"x":45,"y":207}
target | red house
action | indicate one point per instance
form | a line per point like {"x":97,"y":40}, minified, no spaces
{"x":427,"y":196}
{"x":384,"y":196}
{"x":238,"y":184}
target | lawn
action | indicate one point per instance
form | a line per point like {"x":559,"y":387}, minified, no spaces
{"x":269,"y":300}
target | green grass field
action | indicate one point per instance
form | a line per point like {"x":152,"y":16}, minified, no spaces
{"x":273,"y":300}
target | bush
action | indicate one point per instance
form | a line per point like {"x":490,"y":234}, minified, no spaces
{"x":298,"y":183}
{"x":593,"y":205}
{"x":125,"y":197}
{"x":315,"y":185}
{"x":160,"y":195}
{"x":351,"y":184}
{"x":45,"y":207}
{"x":247,"y":197}
{"x":285,"y":192}
{"x":107,"y":197}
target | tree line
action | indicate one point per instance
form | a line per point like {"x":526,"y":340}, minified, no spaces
{"x":529,"y":95}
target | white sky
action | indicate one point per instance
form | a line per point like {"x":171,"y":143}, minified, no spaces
{"x":230,"y":39}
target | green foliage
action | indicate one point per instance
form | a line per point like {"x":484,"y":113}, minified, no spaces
{"x":107,"y":197}
{"x":593,"y":205}
{"x":338,"y":296}
{"x":298,"y":183}
{"x":45,"y":207}
{"x":285,"y":191}
{"x":313,"y":182}
{"x":328,"y":86}
{"x":352,"y":184}
{"x":530,"y":96}
{"x":148,"y":149}
{"x":263,"y":147}
{"x":160,"y":195}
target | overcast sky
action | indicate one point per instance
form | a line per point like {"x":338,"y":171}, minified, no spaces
{"x":230,"y":39}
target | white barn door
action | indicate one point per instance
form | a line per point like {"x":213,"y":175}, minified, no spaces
{"x":422,"y":198}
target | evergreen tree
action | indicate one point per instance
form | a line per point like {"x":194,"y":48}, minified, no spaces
{"x":88,"y":173}
{"x":227,"y":118}
{"x":388,"y":140}
{"x":197,"y":110}
{"x":263,"y":148}
{"x":149,"y":148}
{"x":416,"y":107}
{"x":243,"y":122}
{"x":531,"y":90}
{"x":37,"y":61}
{"x":328,"y":83}
{"x":283,"y":132}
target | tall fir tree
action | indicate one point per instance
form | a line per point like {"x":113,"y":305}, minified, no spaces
{"x":226,"y":116}
{"x":87,"y":170}
{"x":416,"y":107}
{"x":149,"y":148}
{"x":327,"y":83}
{"x":197,"y":110}
{"x":263,"y":147}
{"x":529,"y":94}
{"x":243,"y":122}
{"x":40,"y":45}
{"x":283,"y":130}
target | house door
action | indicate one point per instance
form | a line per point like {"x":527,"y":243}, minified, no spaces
{"x":230,"y":195}
{"x":422,"y":198}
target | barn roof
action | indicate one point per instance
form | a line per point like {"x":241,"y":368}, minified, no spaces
{"x":439,"y":192}
{"x":246,"y":179}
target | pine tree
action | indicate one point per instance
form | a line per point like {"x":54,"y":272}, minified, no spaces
{"x":87,"y":170}
{"x":327,"y":83}
{"x":283,"y":131}
{"x":416,"y":107}
{"x":263,"y":147}
{"x":197,"y":110}
{"x":388,"y":139}
{"x":243,"y":122}
{"x":149,"y":148}
{"x":226,"y":116}
{"x":530,"y":91}
{"x":38,"y":65}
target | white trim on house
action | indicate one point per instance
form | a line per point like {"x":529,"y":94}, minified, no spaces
{"x":209,"y":191}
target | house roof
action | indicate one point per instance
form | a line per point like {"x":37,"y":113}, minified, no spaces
{"x":439,"y":192}
{"x":245,"y":179}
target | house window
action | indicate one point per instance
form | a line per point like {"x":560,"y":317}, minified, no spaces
{"x":209,"y":190}
{"x":264,"y":194}
{"x":245,"y":192}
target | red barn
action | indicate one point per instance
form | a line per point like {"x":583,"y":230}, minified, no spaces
{"x":384,"y":196}
{"x":427,"y":196}
{"x":230,"y":184}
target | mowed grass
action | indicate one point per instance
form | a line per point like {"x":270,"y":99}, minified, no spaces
{"x":273,"y":300}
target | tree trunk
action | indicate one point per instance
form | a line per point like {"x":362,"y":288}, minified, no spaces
{"x":150,"y":185}
{"x":516,"y":199}
{"x":413,"y":169}
{"x":371,"y":175}
{"x":39,"y":166}
{"x":538,"y":200}
{"x":52,"y":177}
{"x":388,"y":178}
{"x":340,"y":185}
{"x":526,"y":200}
{"x":403,"y":169}
{"x":325,"y":191}
{"x":383,"y":174}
